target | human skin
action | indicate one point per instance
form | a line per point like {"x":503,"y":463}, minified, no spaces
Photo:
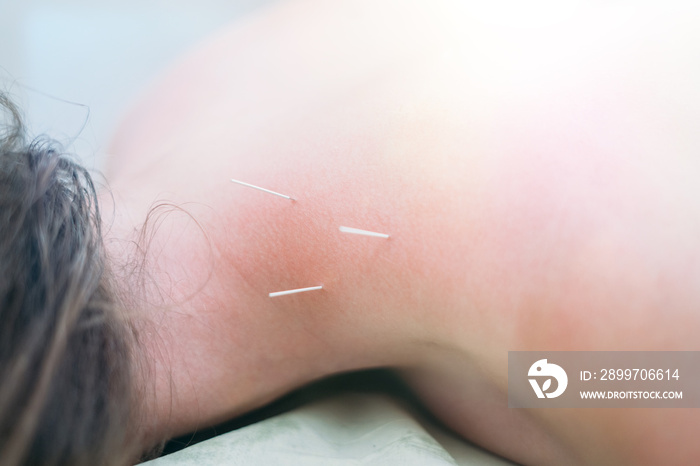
{"x":540,"y":194}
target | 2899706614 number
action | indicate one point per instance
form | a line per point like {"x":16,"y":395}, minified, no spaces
{"x":639,"y":374}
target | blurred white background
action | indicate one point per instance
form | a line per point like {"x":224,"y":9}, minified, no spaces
{"x":98,"y":54}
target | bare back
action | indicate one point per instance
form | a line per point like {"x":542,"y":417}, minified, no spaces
{"x":521,"y":195}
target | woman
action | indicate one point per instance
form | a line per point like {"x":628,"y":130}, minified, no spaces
{"x":537,"y":185}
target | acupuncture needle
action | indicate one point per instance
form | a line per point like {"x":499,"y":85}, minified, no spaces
{"x":357,"y":231}
{"x":263,"y":189}
{"x":298,"y":290}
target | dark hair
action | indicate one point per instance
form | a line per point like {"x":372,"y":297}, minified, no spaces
{"x":66,"y":392}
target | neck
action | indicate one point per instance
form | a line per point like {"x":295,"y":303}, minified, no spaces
{"x":213,"y":344}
